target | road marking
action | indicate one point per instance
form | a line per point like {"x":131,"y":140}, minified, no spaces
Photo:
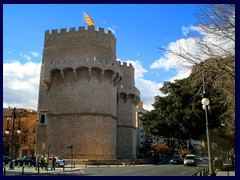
{"x":82,"y":171}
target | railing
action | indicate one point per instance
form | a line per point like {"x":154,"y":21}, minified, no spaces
{"x":201,"y":172}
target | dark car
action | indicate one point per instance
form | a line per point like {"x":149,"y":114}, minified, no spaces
{"x":6,"y":159}
{"x":26,"y":160}
{"x":176,"y":159}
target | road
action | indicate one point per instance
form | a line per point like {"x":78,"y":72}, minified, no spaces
{"x":140,"y":170}
{"x":113,"y":170}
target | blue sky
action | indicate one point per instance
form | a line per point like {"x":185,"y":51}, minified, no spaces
{"x":140,"y":29}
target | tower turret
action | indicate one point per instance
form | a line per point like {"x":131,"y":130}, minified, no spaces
{"x":79,"y":92}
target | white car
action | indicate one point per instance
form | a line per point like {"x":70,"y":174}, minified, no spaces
{"x":190,"y":159}
{"x":59,"y":161}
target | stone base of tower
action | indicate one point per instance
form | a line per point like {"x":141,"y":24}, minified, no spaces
{"x":126,"y":143}
{"x":91,"y":136}
{"x":94,"y":157}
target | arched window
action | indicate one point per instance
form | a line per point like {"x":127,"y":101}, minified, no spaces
{"x":42,"y":120}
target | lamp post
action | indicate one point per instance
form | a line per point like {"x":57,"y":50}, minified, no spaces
{"x":205,"y":103}
{"x":14,"y":115}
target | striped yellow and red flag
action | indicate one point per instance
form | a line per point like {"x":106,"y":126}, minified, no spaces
{"x":89,"y":20}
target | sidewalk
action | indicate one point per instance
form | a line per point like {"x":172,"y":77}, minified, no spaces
{"x":26,"y":171}
{"x":226,"y":170}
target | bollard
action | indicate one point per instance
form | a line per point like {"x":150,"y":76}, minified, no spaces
{"x":133,"y":163}
{"x":29,"y":165}
{"x":63,"y":167}
{"x":117,"y":163}
{"x":108,"y":163}
{"x":86,"y":164}
{"x":14,"y":164}
{"x":23,"y":169}
{"x":97,"y":163}
{"x":4,"y":171}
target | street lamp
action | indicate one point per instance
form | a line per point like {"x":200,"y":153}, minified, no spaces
{"x":205,"y":103}
{"x":14,"y":115}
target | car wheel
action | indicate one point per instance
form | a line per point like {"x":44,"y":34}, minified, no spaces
{"x":57,"y":165}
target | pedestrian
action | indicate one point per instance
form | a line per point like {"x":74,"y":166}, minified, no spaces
{"x":37,"y":162}
{"x":233,"y":160}
{"x":46,"y":162}
{"x":53,"y":163}
{"x":42,"y":161}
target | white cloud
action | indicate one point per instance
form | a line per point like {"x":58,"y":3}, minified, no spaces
{"x":185,"y":30}
{"x":20,"y":84}
{"x":35,"y":54}
{"x":190,"y":48}
{"x":113,"y":29}
{"x":184,"y":73}
{"x":148,"y":90}
{"x":28,"y":58}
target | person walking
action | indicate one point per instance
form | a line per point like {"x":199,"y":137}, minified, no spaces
{"x":46,"y":162}
{"x":42,"y":161}
{"x":53,"y":163}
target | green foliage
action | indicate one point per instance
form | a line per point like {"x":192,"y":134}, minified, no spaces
{"x":180,"y":114}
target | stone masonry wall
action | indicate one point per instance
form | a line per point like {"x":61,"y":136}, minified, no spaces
{"x":86,"y":97}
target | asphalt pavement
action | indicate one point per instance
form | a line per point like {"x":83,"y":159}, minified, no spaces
{"x":227,"y":170}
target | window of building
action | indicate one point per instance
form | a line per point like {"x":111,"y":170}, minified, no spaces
{"x":42,"y":120}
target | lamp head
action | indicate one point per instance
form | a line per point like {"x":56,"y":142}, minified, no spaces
{"x":205,"y":101}
{"x":7,"y":131}
{"x":19,"y":130}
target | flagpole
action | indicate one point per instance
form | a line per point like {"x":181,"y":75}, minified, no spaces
{"x":83,"y":17}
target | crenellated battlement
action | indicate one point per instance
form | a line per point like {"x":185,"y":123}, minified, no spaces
{"x":125,"y":64}
{"x":81,"y":29}
{"x":73,"y":43}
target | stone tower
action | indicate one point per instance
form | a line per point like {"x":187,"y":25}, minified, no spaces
{"x":87,"y":99}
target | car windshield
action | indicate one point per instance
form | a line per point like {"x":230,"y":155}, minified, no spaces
{"x":190,"y":157}
{"x":21,"y":158}
{"x":176,"y":157}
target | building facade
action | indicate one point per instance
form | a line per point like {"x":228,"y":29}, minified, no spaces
{"x":87,"y":99}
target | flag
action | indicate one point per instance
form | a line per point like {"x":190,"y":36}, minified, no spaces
{"x":88,"y":20}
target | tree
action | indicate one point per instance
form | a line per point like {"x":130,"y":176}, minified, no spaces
{"x":25,"y":141}
{"x":179,"y":113}
{"x":160,"y":148}
{"x":210,"y":50}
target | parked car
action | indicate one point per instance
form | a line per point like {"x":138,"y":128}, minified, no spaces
{"x":26,"y":160}
{"x":176,"y":159}
{"x":59,"y":161}
{"x":190,"y":160}
{"x":6,"y":159}
{"x":199,"y":158}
